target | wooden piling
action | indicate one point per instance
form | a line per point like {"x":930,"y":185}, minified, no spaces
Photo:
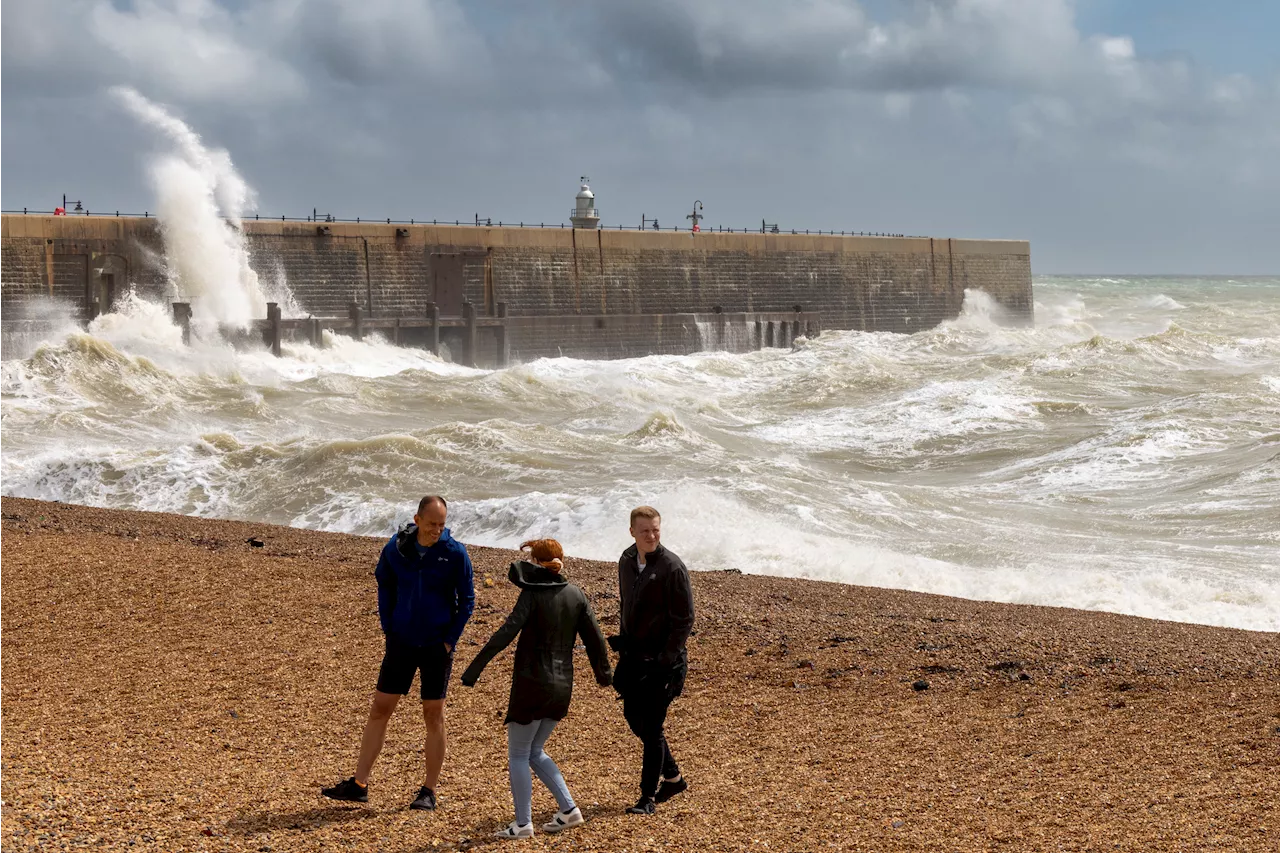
{"x":357,"y":321}
{"x":469,"y":334}
{"x":182,"y":317}
{"x":273,"y":327}
{"x":504,"y":343}
{"x":433,"y":330}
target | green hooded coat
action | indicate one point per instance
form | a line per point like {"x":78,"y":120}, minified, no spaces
{"x":549,"y":616}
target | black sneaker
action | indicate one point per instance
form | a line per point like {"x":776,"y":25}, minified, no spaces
{"x":643,"y":806}
{"x":426,"y":800}
{"x":347,"y":790}
{"x":667,"y":790}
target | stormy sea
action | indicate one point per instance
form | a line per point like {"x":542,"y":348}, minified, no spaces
{"x":1120,"y":454}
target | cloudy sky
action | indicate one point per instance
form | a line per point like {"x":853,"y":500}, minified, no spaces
{"x":1122,"y":136}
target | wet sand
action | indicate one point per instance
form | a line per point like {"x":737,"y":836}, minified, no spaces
{"x":169,"y":686}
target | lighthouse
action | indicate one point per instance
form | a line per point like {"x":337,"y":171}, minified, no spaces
{"x":585,"y":214}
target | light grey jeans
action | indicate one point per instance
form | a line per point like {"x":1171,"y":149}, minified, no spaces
{"x":524,"y":751}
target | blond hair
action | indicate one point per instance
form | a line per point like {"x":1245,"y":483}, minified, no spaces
{"x":644,"y":512}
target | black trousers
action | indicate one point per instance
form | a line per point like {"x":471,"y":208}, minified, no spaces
{"x":644,"y":706}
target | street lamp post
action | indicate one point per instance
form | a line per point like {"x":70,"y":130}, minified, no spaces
{"x":696,"y":215}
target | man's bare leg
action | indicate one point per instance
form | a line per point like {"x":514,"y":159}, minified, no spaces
{"x":433,"y":751}
{"x":375,"y":732}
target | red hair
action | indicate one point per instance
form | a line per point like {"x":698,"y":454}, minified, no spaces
{"x":545,"y":552}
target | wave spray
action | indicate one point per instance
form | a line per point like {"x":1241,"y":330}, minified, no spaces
{"x":201,"y":200}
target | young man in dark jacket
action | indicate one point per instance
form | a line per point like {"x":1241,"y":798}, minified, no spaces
{"x":425,"y":597}
{"x":656,"y":619}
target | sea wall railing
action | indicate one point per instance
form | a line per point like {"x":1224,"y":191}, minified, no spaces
{"x":486,"y":222}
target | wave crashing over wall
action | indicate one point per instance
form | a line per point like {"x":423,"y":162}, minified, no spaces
{"x":200,"y":201}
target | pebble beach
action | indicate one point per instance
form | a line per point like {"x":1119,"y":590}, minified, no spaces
{"x":176,"y":683}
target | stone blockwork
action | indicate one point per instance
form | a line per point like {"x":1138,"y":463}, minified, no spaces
{"x":580,"y":276}
{"x":633,"y":335}
{"x":25,"y":277}
{"x":71,"y":260}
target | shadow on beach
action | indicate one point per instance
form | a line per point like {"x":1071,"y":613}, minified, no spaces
{"x":482,"y":834}
{"x":254,"y":823}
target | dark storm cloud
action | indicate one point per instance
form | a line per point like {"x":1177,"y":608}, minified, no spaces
{"x":965,"y":118}
{"x":725,"y":45}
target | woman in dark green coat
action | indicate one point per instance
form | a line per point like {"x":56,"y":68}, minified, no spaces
{"x":549,"y":616}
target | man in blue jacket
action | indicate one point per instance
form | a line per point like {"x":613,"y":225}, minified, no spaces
{"x":425,"y":597}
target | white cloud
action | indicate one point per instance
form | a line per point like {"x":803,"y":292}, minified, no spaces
{"x":731,"y":44}
{"x":201,"y":51}
{"x":1117,"y":49}
{"x":1056,"y":82}
{"x":194,"y":49}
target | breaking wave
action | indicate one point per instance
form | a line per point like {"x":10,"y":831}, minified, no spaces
{"x":1122,"y":454}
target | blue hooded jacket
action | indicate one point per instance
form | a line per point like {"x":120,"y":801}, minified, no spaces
{"x":427,"y":598}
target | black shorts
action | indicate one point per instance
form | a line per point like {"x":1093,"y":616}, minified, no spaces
{"x":401,"y":662}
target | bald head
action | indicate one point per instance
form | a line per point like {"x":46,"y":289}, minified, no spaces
{"x":432,"y":499}
{"x":432,"y":511}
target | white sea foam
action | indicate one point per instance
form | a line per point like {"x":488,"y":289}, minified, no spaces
{"x":40,"y":320}
{"x":712,"y":531}
{"x":369,"y":358}
{"x":1160,"y":301}
{"x":1085,"y":462}
{"x":980,"y":310}
{"x":139,"y":326}
{"x":900,"y":426}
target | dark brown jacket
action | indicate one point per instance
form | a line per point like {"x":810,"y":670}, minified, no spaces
{"x":549,"y":616}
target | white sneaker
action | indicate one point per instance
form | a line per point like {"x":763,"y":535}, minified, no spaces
{"x":564,"y":820}
{"x":515,"y":830}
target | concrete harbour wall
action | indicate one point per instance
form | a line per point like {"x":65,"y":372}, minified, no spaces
{"x":589,"y":287}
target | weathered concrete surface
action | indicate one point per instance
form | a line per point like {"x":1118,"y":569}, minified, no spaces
{"x":899,"y":284}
